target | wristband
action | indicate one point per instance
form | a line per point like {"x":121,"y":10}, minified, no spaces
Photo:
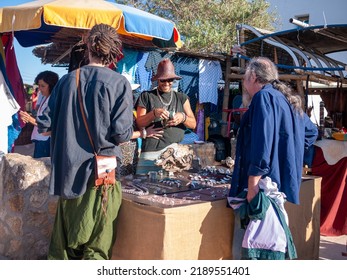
{"x":184,"y":117}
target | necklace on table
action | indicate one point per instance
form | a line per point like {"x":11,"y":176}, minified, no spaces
{"x":135,"y":189}
{"x":162,"y":101}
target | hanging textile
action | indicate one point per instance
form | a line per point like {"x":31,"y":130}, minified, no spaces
{"x":188,"y":69}
{"x":143,"y":76}
{"x":8,"y":107}
{"x":154,"y":58}
{"x":200,"y":119}
{"x":9,"y":124}
{"x":128,"y":64}
{"x":13,"y":73}
{"x":210,"y":72}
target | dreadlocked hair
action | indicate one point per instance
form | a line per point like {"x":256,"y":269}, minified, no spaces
{"x":104,"y":43}
{"x":266,"y":72}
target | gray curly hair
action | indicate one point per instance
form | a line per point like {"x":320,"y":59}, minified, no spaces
{"x":266,"y":72}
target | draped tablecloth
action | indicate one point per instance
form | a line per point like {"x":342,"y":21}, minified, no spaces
{"x":330,"y":162}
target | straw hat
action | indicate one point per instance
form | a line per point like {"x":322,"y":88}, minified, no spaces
{"x":165,"y":70}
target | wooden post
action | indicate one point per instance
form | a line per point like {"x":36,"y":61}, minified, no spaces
{"x":275,"y":56}
{"x":300,"y":90}
{"x":224,"y":131}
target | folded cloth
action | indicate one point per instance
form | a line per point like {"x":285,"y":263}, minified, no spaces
{"x":264,"y":214}
{"x":333,"y":150}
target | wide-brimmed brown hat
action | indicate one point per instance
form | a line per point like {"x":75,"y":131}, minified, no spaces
{"x":165,"y":71}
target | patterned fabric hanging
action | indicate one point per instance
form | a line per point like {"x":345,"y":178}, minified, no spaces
{"x":200,"y":127}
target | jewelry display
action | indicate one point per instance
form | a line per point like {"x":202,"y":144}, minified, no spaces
{"x":165,"y":200}
{"x":208,"y":184}
{"x":215,"y":192}
{"x":135,"y":189}
{"x":166,"y":105}
{"x":191,"y":196}
{"x":158,"y":188}
{"x":211,"y":177}
{"x":171,"y":182}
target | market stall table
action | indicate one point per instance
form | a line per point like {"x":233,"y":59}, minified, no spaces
{"x":191,"y":226}
{"x":330,"y":162}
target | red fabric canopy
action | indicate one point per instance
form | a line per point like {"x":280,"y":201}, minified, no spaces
{"x":333,"y":194}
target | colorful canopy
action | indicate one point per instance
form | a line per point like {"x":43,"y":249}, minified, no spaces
{"x":37,"y":22}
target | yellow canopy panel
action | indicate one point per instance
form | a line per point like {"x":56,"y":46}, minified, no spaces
{"x":76,"y":18}
{"x":82,"y":14}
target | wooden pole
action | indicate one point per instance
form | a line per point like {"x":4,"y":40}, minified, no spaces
{"x":275,"y":56}
{"x":224,"y":131}
{"x":287,"y":77}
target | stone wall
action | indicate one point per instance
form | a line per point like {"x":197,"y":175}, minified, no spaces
{"x":27,"y":211}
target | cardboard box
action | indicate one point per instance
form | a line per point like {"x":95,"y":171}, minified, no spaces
{"x":193,"y":232}
{"x":203,"y":231}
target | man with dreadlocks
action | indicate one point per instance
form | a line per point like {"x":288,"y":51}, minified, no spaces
{"x":82,"y":228}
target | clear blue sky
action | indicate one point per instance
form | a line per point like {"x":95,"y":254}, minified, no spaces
{"x":29,"y":65}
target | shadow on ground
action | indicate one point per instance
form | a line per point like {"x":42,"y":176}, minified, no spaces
{"x":330,"y":249}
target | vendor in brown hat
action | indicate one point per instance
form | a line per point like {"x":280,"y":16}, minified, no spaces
{"x":165,"y":108}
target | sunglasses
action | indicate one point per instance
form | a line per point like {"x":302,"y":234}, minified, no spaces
{"x":168,"y":80}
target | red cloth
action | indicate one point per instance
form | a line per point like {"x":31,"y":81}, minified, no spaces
{"x":13,"y":73}
{"x":333,"y":194}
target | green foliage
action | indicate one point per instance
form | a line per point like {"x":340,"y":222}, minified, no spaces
{"x":209,"y":25}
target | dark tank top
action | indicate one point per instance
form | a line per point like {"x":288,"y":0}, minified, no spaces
{"x":175,"y":134}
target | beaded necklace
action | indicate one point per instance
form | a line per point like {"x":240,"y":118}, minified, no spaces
{"x":135,"y":189}
{"x":162,"y":101}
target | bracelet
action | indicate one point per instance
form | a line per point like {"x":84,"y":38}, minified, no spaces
{"x":144,"y":133}
{"x":184,"y":117}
